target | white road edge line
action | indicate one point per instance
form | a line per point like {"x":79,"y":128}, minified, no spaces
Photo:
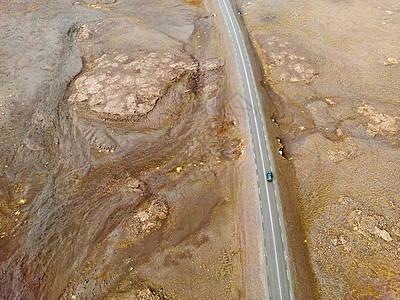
{"x":258,"y":137}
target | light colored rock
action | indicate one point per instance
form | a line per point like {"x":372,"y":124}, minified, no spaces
{"x":149,"y":218}
{"x":128,"y":85}
{"x":391,"y":61}
{"x":147,"y":294}
{"x":383,"y":234}
{"x":299,"y":68}
{"x":142,"y":215}
{"x":380,"y":123}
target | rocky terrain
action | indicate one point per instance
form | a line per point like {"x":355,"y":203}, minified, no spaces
{"x":123,"y":172}
{"x":332,"y":72}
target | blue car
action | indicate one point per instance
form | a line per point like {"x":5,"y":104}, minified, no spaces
{"x":269,"y":176}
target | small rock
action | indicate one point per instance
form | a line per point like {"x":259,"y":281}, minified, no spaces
{"x":342,"y":239}
{"x":331,"y":102}
{"x":147,"y":294}
{"x":142,"y":215}
{"x":294,"y":79}
{"x":299,"y":68}
{"x":383,"y":234}
{"x":391,"y":61}
{"x":339,"y":132}
{"x":133,"y":183}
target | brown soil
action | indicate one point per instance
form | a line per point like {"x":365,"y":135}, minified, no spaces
{"x":123,"y":171}
{"x":333,"y":66}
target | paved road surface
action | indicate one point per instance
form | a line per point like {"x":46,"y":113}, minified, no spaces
{"x":279,"y":284}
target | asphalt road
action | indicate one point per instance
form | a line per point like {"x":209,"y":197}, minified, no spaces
{"x":279,"y":277}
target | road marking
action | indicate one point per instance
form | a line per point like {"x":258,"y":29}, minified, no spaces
{"x":259,"y":144}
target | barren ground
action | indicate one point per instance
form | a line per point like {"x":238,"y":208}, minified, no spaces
{"x":124,"y":163}
{"x":333,"y":69}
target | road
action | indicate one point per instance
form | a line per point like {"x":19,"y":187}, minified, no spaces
{"x":279,"y":277}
